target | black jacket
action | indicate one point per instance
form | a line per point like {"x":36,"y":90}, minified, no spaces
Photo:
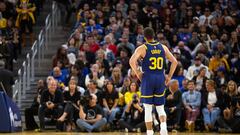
{"x":219,"y":102}
{"x":57,"y":98}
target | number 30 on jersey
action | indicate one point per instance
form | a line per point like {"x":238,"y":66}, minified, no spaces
{"x":156,"y":63}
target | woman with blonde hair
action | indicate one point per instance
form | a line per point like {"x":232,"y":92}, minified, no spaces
{"x":116,"y":77}
{"x":230,"y":94}
{"x":229,"y":122}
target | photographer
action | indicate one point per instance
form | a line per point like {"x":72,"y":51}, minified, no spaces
{"x":71,"y":100}
{"x":50,"y":103}
{"x":92,"y":89}
{"x":133,"y":119}
{"x":91,"y":115}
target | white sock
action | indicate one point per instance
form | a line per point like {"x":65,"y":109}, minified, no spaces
{"x":150,"y":132}
{"x":163,"y":125}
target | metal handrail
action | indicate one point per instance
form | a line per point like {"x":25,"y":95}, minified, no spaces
{"x":26,"y":74}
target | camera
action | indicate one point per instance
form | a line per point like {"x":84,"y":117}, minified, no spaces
{"x":49,"y":102}
{"x":84,"y":100}
{"x":135,"y":99}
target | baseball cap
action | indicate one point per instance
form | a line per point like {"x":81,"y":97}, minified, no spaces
{"x":176,"y":51}
{"x":197,"y":58}
{"x":195,"y":18}
{"x":118,"y":62}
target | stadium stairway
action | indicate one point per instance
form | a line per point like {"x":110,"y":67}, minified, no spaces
{"x":58,"y":38}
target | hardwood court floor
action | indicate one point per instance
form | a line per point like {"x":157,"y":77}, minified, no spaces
{"x":103,"y":133}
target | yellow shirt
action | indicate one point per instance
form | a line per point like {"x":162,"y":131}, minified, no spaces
{"x":214,"y":64}
{"x":128,"y":96}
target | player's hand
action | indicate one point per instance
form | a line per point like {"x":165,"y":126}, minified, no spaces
{"x":167,"y":80}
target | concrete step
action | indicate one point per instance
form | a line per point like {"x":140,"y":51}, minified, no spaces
{"x":58,"y":38}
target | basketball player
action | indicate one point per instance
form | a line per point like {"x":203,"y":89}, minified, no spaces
{"x":153,"y":80}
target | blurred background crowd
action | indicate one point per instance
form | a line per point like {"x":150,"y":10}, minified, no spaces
{"x":91,"y":85}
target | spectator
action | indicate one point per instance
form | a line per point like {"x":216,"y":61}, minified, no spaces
{"x":110,"y":102}
{"x":59,"y":76}
{"x":184,"y":85}
{"x":101,"y":60}
{"x":91,"y":116}
{"x":235,"y":62}
{"x":33,"y":110}
{"x":217,"y":61}
{"x":194,"y":39}
{"x":140,"y":36}
{"x":126,"y":85}
{"x":71,"y":102}
{"x":79,"y":88}
{"x":76,"y":72}
{"x":205,"y":19}
{"x":184,"y":35}
{"x":185,"y":53}
{"x":87,"y":55}
{"x":123,"y":62}
{"x":109,"y":49}
{"x":6,"y":79}
{"x":11,"y":41}
{"x":134,"y":89}
{"x":93,"y":46}
{"x":230,"y":95}
{"x":181,"y":59}
{"x":72,"y":47}
{"x":92,"y":89}
{"x":231,"y":118}
{"x":221,"y":78}
{"x":109,"y":44}
{"x":96,"y":76}
{"x":194,"y":69}
{"x":5,"y":53}
{"x":50,"y":104}
{"x":93,"y":26}
{"x":116,"y":77}
{"x":211,"y":103}
{"x":101,"y":19}
{"x":125,"y":44}
{"x":60,"y":56}
{"x":179,"y":75}
{"x":133,"y":120}
{"x":25,"y":19}
{"x":191,"y":101}
{"x":201,"y":79}
{"x":173,"y":105}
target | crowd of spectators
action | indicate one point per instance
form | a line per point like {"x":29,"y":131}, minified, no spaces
{"x":91,"y":86}
{"x":17,"y":18}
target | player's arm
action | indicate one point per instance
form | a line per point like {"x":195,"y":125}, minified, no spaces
{"x":173,"y":61}
{"x":133,"y":62}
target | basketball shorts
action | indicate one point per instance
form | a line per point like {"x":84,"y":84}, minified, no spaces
{"x":153,"y":89}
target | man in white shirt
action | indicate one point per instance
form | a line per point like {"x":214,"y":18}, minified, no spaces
{"x":206,"y":18}
{"x":194,"y":69}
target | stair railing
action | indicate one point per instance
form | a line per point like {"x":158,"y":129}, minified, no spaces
{"x":26,"y":74}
